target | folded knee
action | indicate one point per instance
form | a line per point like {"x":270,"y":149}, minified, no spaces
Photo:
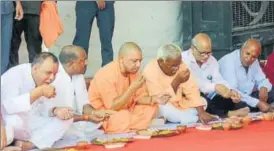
{"x":189,"y":119}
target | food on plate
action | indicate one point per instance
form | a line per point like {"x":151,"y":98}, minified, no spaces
{"x":115,"y":145}
{"x":98,"y":141}
{"x":267,"y":116}
{"x":204,"y":127}
{"x":226,"y":126}
{"x":236,"y":125}
{"x":246,"y":120}
{"x":141,"y":137}
{"x":235,"y":119}
{"x":144,"y":132}
{"x":181,"y":128}
{"x":165,"y":132}
{"x":217,"y":125}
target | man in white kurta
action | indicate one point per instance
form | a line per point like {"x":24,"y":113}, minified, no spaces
{"x":22,"y":88}
{"x":71,"y":93}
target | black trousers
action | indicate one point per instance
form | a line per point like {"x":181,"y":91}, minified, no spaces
{"x":220,"y":106}
{"x":256,"y":95}
{"x":30,"y":26}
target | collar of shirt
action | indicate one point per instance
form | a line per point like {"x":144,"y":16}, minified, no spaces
{"x":193,"y":60}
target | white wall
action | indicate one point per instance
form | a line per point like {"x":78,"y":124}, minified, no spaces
{"x":148,"y":23}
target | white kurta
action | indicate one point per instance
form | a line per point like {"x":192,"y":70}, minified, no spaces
{"x":71,"y":92}
{"x":22,"y":116}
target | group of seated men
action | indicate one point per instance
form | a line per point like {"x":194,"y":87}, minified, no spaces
{"x":43,"y":101}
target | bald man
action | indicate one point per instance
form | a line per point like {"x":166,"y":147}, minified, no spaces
{"x":221,"y":98}
{"x":242,"y":71}
{"x":169,"y":75}
{"x":71,"y":96}
{"x":119,"y":88}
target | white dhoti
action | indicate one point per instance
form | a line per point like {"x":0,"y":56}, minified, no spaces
{"x":175,"y":115}
{"x":82,"y":130}
{"x":43,"y":132}
{"x":46,"y":131}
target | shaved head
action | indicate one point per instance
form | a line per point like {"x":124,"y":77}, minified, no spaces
{"x":70,"y":53}
{"x":250,"y":51}
{"x":201,"y":47}
{"x":253,"y":44}
{"x":74,"y":59}
{"x":130,"y":57}
{"x":202,"y":41}
{"x":128,"y":47}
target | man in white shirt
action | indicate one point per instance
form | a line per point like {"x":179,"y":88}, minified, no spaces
{"x":22,"y":87}
{"x":221,"y":98}
{"x":242,"y":71}
{"x":71,"y":94}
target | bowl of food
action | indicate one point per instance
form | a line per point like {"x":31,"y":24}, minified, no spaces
{"x":226,"y":126}
{"x":181,"y":128}
{"x":267,"y":116}
{"x":204,"y":127}
{"x":246,"y":120}
{"x":82,"y":144}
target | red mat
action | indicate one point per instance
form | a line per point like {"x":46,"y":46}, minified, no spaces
{"x":255,"y":137}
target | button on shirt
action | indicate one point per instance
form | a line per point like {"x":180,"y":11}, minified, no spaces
{"x":6,"y":7}
{"x":207,"y":75}
{"x":235,"y":74}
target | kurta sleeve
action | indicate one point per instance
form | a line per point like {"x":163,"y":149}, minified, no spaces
{"x":141,"y":92}
{"x":102,"y":92}
{"x":191,"y":92}
{"x":12,"y":99}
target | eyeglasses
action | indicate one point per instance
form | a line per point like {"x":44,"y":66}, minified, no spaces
{"x":202,"y":53}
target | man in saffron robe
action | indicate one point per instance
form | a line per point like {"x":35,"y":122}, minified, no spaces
{"x":168,"y":74}
{"x":118,"y":88}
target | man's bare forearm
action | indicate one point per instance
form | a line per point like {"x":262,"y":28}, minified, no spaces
{"x":77,"y":118}
{"x":35,"y":94}
{"x":122,"y":100}
{"x":175,"y":85}
{"x":200,"y":109}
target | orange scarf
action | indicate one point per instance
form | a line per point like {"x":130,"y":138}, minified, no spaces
{"x":51,"y":26}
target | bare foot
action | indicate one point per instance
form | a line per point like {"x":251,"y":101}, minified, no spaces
{"x":263,"y":106}
{"x":24,"y":145}
{"x":12,"y":148}
{"x":240,"y":112}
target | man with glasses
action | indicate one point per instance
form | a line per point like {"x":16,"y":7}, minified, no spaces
{"x":221,"y":98}
{"x":168,"y":75}
{"x":242,"y":71}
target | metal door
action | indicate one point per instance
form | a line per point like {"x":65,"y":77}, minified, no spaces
{"x":213,"y":18}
